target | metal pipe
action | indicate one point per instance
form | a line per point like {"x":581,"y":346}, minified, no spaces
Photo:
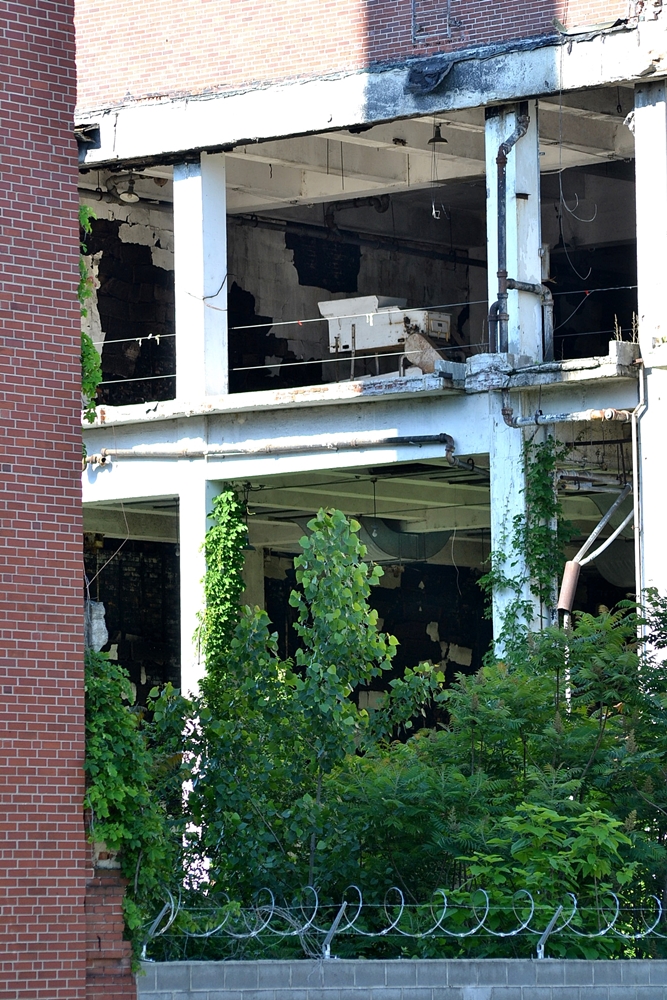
{"x":573,"y":566}
{"x":522,"y":123}
{"x":605,"y":520}
{"x":637,"y":414}
{"x":493,"y":328}
{"x":229,"y":451}
{"x":548,"y":312}
{"x":578,"y":416}
{"x":608,"y":541}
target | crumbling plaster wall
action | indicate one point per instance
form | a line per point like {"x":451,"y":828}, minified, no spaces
{"x":131,"y":313}
{"x":261,"y":264}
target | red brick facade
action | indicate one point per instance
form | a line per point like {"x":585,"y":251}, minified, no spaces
{"x":43,"y":864}
{"x":129,"y":51}
{"x":108,"y":956}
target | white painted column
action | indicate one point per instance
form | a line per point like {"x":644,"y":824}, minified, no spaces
{"x":507,"y":502}
{"x":196,"y":496}
{"x":200,"y":265}
{"x":523,"y":225}
{"x":650,"y":127}
{"x":524,"y":334}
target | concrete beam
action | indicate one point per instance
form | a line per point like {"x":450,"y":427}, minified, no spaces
{"x":496,"y":74}
{"x":144,"y":527}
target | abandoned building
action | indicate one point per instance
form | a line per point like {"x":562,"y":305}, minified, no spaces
{"x":347,"y":254}
{"x":374,"y":313}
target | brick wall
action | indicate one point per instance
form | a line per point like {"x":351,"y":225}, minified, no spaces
{"x":194,"y":46}
{"x":108,"y":956}
{"x":43,"y":861}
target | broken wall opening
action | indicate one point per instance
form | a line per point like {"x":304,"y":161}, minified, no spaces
{"x":588,"y":224}
{"x":424,"y":250}
{"x":137,"y":579}
{"x":130,"y":261}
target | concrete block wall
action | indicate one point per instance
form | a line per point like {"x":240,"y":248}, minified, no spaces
{"x":437,"y":979}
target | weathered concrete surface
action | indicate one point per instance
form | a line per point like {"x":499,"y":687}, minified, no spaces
{"x":458,"y":979}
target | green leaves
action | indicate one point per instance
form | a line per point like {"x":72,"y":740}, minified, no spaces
{"x":134,"y":774}
{"x":91,"y":363}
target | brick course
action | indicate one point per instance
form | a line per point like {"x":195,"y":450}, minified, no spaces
{"x":43,"y":859}
{"x":155,"y":49}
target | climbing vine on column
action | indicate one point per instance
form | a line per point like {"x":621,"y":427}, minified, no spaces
{"x":91,"y":363}
{"x":539,"y":536}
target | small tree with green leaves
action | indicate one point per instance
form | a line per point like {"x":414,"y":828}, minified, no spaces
{"x":273,"y":730}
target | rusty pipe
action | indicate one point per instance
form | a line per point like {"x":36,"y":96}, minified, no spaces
{"x":522,"y":123}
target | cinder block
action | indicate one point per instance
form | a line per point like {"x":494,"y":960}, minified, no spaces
{"x":635,"y":973}
{"x":338,"y":973}
{"x":307,"y":974}
{"x":462,"y":972}
{"x":274,"y":975}
{"x":521,"y":972}
{"x":606,"y":973}
{"x":386,"y":993}
{"x":622,"y":993}
{"x":237,"y":976}
{"x":405,"y":973}
{"x":222,"y":995}
{"x":146,"y":978}
{"x":355,"y":994}
{"x":492,"y":972}
{"x":258,"y":994}
{"x":207,"y":975}
{"x":433,"y":973}
{"x":172,"y":976}
{"x":447,"y":993}
{"x":417,"y":993}
{"x":592,"y":992}
{"x":549,"y":973}
{"x":651,"y":992}
{"x":370,"y":973}
{"x":578,"y":973}
{"x":506,"y":993}
{"x":538,"y":992}
{"x":657,"y":971}
{"x":319,"y":994}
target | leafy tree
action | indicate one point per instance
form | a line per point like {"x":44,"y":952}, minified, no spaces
{"x":274,"y":730}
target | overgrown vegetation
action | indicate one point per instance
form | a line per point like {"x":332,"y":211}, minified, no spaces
{"x":91,"y":363}
{"x":546,"y":773}
{"x":537,"y":539}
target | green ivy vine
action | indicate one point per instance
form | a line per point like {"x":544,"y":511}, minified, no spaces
{"x":91,"y":363}
{"x":537,"y":539}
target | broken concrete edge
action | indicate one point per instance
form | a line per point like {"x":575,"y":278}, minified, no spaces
{"x":483,"y":372}
{"x":169,"y":129}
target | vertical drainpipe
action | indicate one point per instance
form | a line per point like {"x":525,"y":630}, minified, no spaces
{"x":498,"y":316}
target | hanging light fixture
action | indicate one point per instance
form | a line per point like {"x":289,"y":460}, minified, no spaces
{"x":128,"y":195}
{"x":437,"y":135}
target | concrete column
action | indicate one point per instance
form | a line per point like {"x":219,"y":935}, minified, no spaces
{"x":523,"y":225}
{"x":507,"y":502}
{"x":200,"y":264}
{"x":524,"y":333}
{"x":253,"y":577}
{"x":196,"y":496}
{"x":651,"y":179}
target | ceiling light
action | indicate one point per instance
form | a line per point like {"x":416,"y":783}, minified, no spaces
{"x":128,"y":195}
{"x":436,"y":137}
